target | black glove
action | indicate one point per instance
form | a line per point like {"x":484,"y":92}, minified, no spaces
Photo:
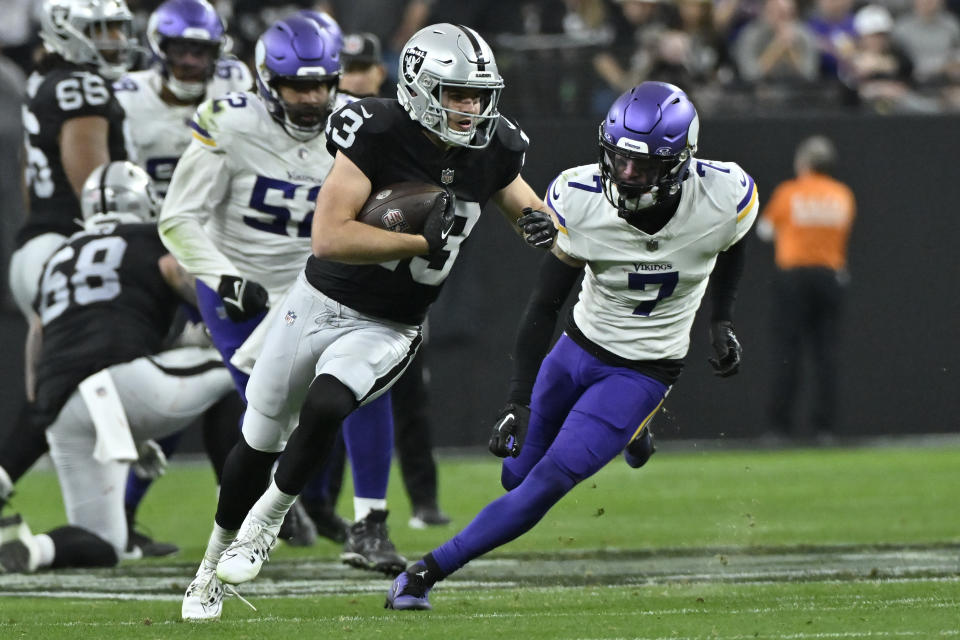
{"x":538,"y":229}
{"x":509,"y":431}
{"x":440,"y":221}
{"x":727,"y":348}
{"x":242,"y":298}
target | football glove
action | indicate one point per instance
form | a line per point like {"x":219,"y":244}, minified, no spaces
{"x":538,"y":228}
{"x":152,"y":462}
{"x":242,"y":299}
{"x":509,"y":430}
{"x":727,"y":348}
{"x":439,"y":222}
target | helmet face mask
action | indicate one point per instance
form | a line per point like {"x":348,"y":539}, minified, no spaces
{"x":118,"y":192}
{"x":97,"y":33}
{"x":186,"y":37}
{"x":441,"y":64}
{"x":297,"y":53}
{"x":647,"y":142}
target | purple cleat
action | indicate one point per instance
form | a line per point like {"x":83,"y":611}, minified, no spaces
{"x":409,"y":592}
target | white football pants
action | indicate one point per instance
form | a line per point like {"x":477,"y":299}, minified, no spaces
{"x":161,"y":395}
{"x":312,"y":335}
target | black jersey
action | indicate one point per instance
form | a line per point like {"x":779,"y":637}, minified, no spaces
{"x":102,"y":301}
{"x":389,"y":147}
{"x":61,"y":93}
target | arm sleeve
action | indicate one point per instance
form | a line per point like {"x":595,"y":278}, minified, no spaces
{"x":725,"y":280}
{"x":199,"y":182}
{"x":537,"y":324}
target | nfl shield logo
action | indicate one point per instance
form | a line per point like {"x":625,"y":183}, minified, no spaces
{"x":393,"y":220}
{"x":290,"y":318}
{"x":446,"y":176}
{"x":652,"y":245}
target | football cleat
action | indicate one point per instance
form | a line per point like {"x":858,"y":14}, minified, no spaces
{"x":19,"y":552}
{"x":639,"y":450}
{"x":243,"y":559}
{"x":298,"y":529}
{"x":431,"y":516}
{"x":368,"y":546}
{"x":148,"y":547}
{"x":204,"y":597}
{"x":328,"y":523}
{"x":408,"y":592}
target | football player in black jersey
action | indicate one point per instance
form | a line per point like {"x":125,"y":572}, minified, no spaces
{"x":352,"y":322}
{"x":106,"y":301}
{"x":72,"y":124}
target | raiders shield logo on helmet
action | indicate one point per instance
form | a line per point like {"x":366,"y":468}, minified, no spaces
{"x":412,"y":61}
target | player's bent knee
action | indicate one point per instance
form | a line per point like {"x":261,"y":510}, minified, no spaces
{"x":508,"y":479}
{"x":264,"y":433}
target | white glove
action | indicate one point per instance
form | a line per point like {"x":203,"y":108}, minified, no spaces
{"x":152,"y":462}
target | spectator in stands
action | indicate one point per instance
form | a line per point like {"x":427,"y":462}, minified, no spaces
{"x":931,"y":37}
{"x":632,"y":54}
{"x":878,"y":73}
{"x":809,"y":218}
{"x":832,"y":22}
{"x":777,"y":46}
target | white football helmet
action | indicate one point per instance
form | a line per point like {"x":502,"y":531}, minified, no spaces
{"x":444,"y":56}
{"x":78,"y":31}
{"x":118,"y":191}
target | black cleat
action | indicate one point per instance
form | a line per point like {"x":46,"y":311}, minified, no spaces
{"x":639,"y":450}
{"x":368,"y":546}
{"x":431,"y":516}
{"x":328,"y":523}
{"x":149,"y":548}
{"x":298,"y":529}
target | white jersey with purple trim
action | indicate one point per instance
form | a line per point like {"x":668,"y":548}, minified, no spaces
{"x":157,"y":133}
{"x":641,"y":291}
{"x":242,"y":197}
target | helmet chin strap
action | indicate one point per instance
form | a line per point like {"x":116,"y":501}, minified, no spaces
{"x":185,"y":90}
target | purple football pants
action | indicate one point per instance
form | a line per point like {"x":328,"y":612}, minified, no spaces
{"x":582,"y":414}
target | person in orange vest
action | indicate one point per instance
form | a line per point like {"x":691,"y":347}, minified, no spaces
{"x":809,"y":219}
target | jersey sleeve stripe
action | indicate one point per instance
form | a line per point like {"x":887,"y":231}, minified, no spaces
{"x":749,"y":207}
{"x":553,"y":207}
{"x":750,"y":195}
{"x":201,"y":134}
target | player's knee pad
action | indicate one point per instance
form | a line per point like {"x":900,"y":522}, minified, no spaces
{"x":262,"y":432}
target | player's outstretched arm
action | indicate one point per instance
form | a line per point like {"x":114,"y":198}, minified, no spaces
{"x":724,"y":282}
{"x":557,"y":276}
{"x":337,"y":235}
{"x":198,"y":185}
{"x":528,"y":214}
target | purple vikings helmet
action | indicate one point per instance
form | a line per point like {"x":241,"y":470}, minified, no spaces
{"x":297,"y":50}
{"x":647,"y":141}
{"x":326,"y":21}
{"x":189,"y":26}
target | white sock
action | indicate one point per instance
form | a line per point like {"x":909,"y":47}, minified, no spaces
{"x":219,"y":540}
{"x":6,"y":484}
{"x":46,"y":552}
{"x":363,"y":506}
{"x":273,"y":505}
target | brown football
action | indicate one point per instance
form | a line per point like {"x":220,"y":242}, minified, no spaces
{"x":401,"y":207}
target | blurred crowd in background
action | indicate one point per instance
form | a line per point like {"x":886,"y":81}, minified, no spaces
{"x":572,"y":57}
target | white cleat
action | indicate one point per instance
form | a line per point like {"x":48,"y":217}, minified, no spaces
{"x":19,"y":552}
{"x":204,"y":597}
{"x":242,"y":560}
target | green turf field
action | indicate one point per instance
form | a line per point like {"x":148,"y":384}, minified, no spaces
{"x":795,"y":544}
